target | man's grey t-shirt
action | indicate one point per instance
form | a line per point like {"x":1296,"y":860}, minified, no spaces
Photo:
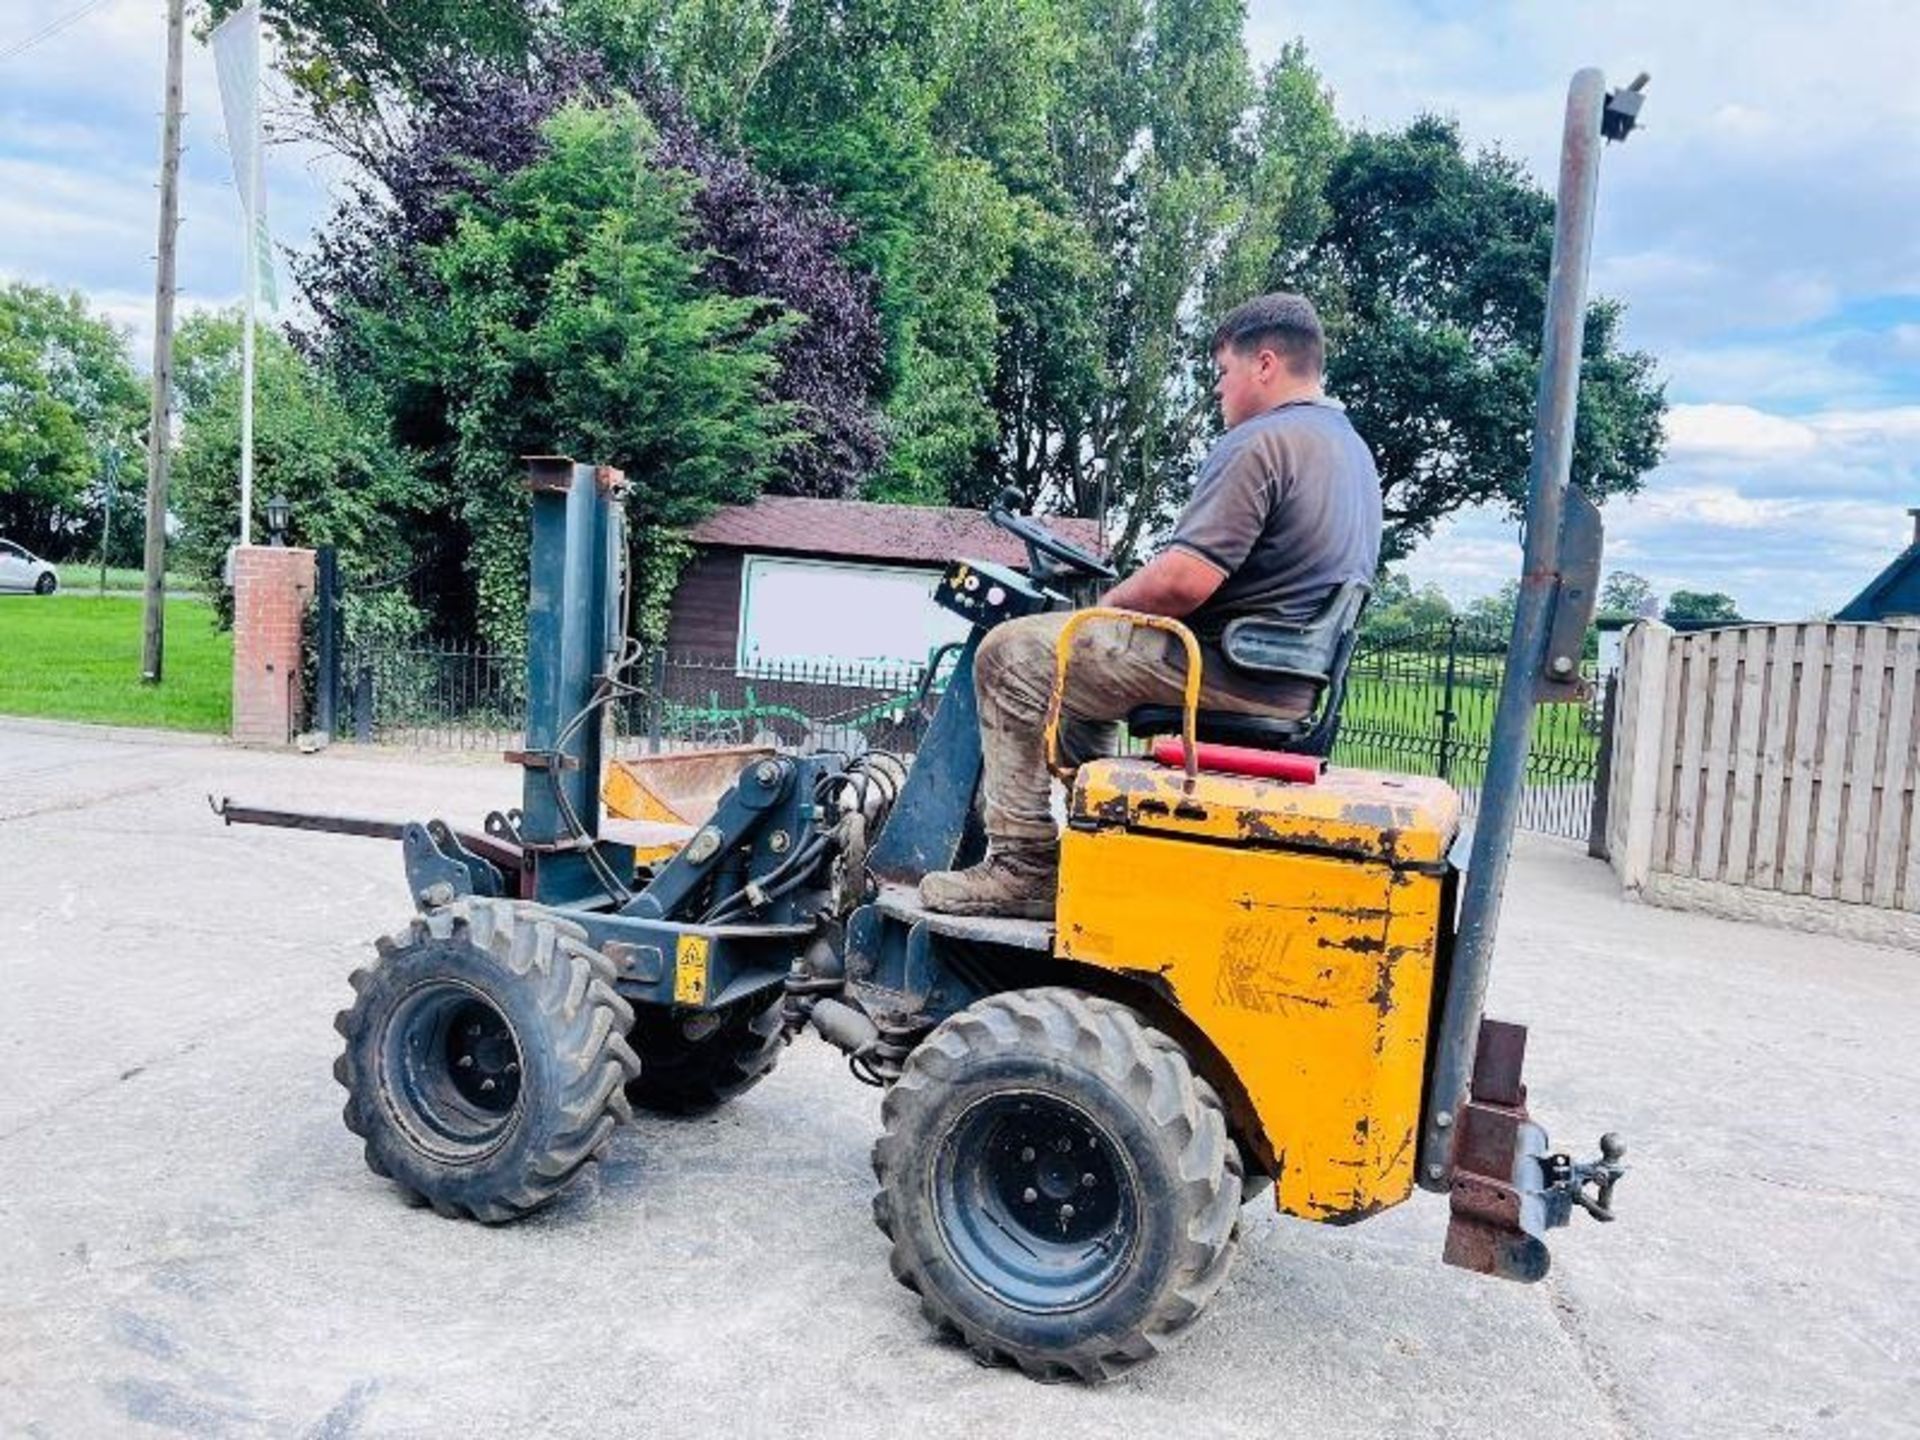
{"x":1288,"y":504}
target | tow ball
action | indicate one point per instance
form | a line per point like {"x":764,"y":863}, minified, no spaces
{"x":1507,"y":1187}
{"x":1567,"y":1181}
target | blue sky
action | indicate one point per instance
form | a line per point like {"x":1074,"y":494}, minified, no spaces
{"x":1763,"y":230}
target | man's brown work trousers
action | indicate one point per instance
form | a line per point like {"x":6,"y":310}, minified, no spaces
{"x":1115,"y":666}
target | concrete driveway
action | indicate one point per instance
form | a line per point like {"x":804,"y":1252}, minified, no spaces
{"x":190,"y":1244}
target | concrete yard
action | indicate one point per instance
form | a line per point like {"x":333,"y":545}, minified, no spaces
{"x":190,"y":1243}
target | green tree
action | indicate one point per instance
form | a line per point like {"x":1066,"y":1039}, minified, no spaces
{"x":353,"y":61}
{"x":1625,"y":593}
{"x":1708,"y":605}
{"x":325,"y":449}
{"x":1056,"y":199}
{"x":567,"y":315}
{"x":1492,"y":615}
{"x":1431,"y":272}
{"x":914,"y":117}
{"x":1397,"y":608}
{"x":67,"y":396}
{"x":1176,"y":177}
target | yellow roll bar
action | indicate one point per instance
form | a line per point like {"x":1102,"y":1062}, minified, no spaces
{"x":1062,"y":650}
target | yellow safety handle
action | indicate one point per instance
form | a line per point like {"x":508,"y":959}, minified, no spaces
{"x":1062,"y":651}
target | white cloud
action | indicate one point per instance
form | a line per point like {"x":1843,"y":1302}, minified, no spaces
{"x":1774,"y":178}
{"x":1896,"y":425}
{"x":79,"y":154}
{"x":1717,"y":505}
{"x":1789,"y":515}
{"x":1734,"y":432}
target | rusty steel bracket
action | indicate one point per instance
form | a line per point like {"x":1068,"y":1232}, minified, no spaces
{"x":1507,"y":1189}
{"x":1576,"y":591}
{"x":540,"y":759}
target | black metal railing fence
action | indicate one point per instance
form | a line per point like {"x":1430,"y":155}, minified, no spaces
{"x":1418,"y":702}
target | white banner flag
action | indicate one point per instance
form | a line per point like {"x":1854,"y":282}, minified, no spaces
{"x":236,"y":59}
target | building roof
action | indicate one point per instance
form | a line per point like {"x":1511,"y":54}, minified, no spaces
{"x":866,"y":530}
{"x":1894,"y":591}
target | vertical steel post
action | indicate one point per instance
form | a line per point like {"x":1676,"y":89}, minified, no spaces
{"x":1503,"y":787}
{"x":573,"y":628}
{"x":1447,"y":716}
{"x":326,"y":585}
{"x":657,"y":698}
{"x":1600,"y":808}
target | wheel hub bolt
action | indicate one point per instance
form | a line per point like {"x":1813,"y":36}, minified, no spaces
{"x":1066,"y":1213}
{"x":487,"y":1085}
{"x":1027,"y":1154}
{"x":466,"y":1062}
{"x":1030,"y":1195}
{"x":1086,"y":1180}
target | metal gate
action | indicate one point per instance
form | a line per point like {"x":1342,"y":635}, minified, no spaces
{"x":1422,"y":702}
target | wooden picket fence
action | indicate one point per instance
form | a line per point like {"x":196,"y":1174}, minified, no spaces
{"x":1778,"y":757}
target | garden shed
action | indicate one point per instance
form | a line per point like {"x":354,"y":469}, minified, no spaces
{"x":788,"y":582}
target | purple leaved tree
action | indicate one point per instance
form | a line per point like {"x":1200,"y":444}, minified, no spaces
{"x":468,"y":126}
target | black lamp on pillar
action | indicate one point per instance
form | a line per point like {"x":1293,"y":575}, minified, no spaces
{"x":279,"y":515}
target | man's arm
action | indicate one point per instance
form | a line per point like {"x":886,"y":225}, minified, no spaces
{"x":1175,"y":582}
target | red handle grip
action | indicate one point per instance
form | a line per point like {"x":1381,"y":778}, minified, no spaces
{"x":1243,"y":760}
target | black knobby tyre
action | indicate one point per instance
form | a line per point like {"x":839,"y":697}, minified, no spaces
{"x":1253,"y":1183}
{"x":486,"y":1059}
{"x":687,"y":1068}
{"x":1058,"y":1185}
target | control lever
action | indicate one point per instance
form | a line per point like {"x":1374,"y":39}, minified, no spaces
{"x":1568,"y":1181}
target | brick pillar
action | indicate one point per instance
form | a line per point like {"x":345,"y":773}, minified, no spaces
{"x":271,"y":589}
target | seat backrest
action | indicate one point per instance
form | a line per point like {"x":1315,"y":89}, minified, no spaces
{"x":1316,"y":651}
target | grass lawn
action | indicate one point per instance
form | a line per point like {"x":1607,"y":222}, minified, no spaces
{"x":77,"y":657}
{"x":79,"y":578}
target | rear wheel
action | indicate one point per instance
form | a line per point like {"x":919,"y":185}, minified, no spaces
{"x":1059,"y":1188}
{"x":485,"y":1062}
{"x":691,"y":1063}
{"x":46,"y":584}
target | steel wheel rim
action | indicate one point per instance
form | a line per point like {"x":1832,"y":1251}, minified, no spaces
{"x":451,"y":1070}
{"x":1036,"y":1202}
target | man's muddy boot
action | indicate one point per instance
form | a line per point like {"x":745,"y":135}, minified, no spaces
{"x":1016,"y":884}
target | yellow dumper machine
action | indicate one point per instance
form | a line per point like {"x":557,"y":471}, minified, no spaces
{"x":1260,"y":969}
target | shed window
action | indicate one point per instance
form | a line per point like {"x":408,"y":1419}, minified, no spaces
{"x":818,"y":613}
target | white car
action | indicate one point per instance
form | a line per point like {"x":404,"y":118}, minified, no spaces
{"x":23,"y":570}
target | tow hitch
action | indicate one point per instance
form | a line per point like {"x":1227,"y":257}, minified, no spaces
{"x":1507,"y":1188}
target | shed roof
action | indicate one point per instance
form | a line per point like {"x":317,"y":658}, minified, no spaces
{"x":867,"y":530}
{"x":1894,"y":591}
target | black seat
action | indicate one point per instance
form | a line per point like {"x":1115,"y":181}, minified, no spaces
{"x":1317,"y":652}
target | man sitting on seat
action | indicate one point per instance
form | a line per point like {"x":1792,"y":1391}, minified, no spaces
{"x":1286,"y":509}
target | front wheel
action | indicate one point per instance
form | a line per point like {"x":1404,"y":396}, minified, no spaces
{"x":485,"y":1062}
{"x":1058,"y":1185}
{"x":692,"y":1063}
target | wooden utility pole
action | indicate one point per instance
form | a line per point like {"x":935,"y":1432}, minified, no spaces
{"x":159,"y":449}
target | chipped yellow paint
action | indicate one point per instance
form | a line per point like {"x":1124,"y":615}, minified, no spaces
{"x":1297,"y":926}
{"x":690,"y":970}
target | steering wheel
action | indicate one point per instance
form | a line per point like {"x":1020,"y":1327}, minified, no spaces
{"x":1005,"y":513}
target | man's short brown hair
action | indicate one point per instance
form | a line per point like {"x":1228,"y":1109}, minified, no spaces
{"x":1281,"y":322}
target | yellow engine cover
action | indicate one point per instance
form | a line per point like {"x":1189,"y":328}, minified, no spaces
{"x":1298,"y":927}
